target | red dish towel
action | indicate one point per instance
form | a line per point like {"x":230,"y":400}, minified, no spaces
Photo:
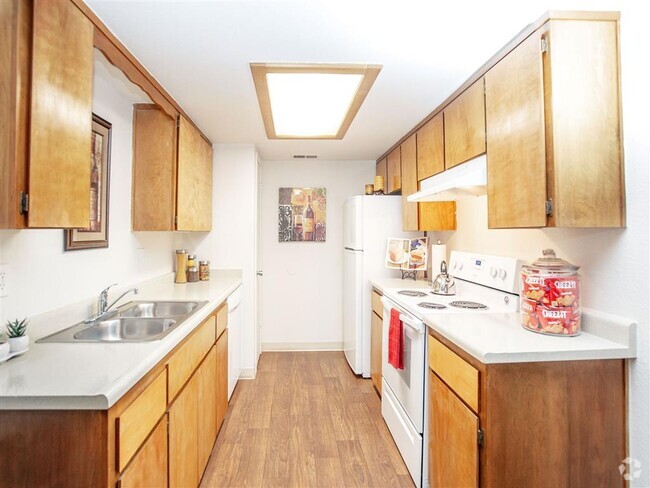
{"x":395,"y":341}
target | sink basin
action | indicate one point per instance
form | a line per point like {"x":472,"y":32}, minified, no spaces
{"x":126,"y":329}
{"x":159,"y":309}
{"x":144,"y":321}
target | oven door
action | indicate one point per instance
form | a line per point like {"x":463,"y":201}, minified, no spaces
{"x":407,"y":385}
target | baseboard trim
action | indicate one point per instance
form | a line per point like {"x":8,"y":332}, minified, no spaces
{"x":301,"y":346}
{"x":247,"y":374}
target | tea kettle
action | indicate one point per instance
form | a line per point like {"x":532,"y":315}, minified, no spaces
{"x":443,"y":284}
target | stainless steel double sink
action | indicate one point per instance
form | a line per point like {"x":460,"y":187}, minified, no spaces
{"x":140,"y":321}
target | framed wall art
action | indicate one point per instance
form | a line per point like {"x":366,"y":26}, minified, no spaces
{"x":301,"y":214}
{"x":96,"y":234}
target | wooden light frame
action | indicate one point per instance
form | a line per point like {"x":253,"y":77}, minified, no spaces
{"x":260,"y":70}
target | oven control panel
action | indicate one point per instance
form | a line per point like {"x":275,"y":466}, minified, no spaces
{"x":499,"y":272}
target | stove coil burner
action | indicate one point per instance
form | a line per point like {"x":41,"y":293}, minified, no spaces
{"x":432,"y":305}
{"x":412,"y":293}
{"x":468,"y":305}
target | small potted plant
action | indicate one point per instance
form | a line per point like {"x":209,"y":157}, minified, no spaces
{"x":18,"y":341}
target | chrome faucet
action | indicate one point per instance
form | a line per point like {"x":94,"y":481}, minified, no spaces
{"x":102,"y":302}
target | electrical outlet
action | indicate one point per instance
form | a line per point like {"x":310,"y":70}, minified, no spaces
{"x":4,"y":280}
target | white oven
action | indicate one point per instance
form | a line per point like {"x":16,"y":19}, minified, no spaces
{"x":403,"y":390}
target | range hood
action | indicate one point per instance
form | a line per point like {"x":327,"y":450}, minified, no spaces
{"x":463,"y":181}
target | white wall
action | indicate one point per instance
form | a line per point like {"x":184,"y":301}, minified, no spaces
{"x":614,"y":262}
{"x":44,"y":277}
{"x":232,"y":242}
{"x":301,"y":299}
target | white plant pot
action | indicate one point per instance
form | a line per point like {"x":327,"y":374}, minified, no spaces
{"x":4,"y":350}
{"x":19,"y":343}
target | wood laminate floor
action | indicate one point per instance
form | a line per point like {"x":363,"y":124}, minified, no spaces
{"x":305,"y":421}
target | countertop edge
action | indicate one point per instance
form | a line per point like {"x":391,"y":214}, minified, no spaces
{"x":115,"y":390}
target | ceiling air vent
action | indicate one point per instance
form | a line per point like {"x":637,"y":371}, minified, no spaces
{"x":305,"y":156}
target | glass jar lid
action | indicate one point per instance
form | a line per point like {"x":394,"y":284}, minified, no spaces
{"x":181,"y":251}
{"x":204,"y":262}
{"x":550,"y":261}
{"x":193,"y":269}
{"x":191,"y":256}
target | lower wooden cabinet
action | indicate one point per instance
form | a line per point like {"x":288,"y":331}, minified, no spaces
{"x":376,"y":324}
{"x":222,"y":377}
{"x":453,"y":447}
{"x":183,"y":437}
{"x":207,"y":405}
{"x":543,"y":424}
{"x":149,"y":466}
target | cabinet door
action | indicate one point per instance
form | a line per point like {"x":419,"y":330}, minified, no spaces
{"x":183,"y":437}
{"x":431,"y":148}
{"x":15,"y":46}
{"x":375,"y":350}
{"x":61,"y":116}
{"x":453,"y":441}
{"x":465,"y":126}
{"x":222,"y":377}
{"x":516,"y":155}
{"x":154,"y":168}
{"x":194,"y":185}
{"x":583,"y":98}
{"x":408,"y":151}
{"x":382,"y":170}
{"x":207,"y":377}
{"x":149,"y":466}
{"x":393,"y":171}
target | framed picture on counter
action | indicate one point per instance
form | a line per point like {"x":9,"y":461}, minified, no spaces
{"x":96,"y":234}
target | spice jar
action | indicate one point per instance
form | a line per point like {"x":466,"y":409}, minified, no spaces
{"x":550,"y":296}
{"x":181,"y":266}
{"x":204,"y":270}
{"x":370,"y":189}
{"x":192,"y":274}
{"x":191,"y":260}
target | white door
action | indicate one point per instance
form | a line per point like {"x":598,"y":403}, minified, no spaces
{"x":352,"y":308}
{"x":259,"y":268}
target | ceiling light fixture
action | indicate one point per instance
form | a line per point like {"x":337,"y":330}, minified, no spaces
{"x":311,"y":101}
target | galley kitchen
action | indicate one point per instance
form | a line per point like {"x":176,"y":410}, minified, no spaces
{"x":325,"y":244}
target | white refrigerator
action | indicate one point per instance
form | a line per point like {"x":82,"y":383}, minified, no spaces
{"x":368,"y":221}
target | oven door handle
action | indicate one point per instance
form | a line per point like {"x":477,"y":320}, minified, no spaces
{"x":414,"y":324}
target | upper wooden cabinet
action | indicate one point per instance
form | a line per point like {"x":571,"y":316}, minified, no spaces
{"x":431,"y":148}
{"x":46,"y":92}
{"x":421,"y":216}
{"x":393,"y":171}
{"x":381,"y":170}
{"x":554,"y":130}
{"x":465,"y":126}
{"x":172,"y":173}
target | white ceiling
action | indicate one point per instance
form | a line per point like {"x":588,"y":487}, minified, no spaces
{"x":200,"y":52}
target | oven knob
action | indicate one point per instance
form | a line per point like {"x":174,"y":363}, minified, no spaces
{"x":493,"y":272}
{"x":453,"y":264}
{"x":460,"y":266}
{"x":503,"y":273}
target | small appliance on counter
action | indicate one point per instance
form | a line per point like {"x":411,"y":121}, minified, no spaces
{"x":550,"y":296}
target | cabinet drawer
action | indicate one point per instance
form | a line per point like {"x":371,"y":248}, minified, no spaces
{"x":183,"y":363}
{"x":222,"y":319}
{"x":461,"y":376}
{"x":377,"y":306}
{"x":135,"y":423}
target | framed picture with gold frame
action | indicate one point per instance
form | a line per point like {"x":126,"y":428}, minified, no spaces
{"x":96,"y":234}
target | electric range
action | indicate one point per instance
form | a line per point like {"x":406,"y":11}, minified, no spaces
{"x":484,"y":284}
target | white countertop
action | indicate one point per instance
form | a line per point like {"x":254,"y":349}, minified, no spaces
{"x":500,"y":338}
{"x":93,"y":376}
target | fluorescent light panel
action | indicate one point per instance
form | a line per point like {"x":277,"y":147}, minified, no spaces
{"x":310,"y":104}
{"x":310,"y":101}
